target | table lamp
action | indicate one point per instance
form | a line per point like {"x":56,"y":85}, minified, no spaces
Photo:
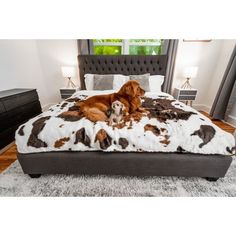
{"x":189,"y":72}
{"x":68,"y":72}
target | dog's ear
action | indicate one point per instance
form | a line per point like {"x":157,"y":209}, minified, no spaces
{"x":122,"y":108}
{"x":109,"y":111}
{"x":129,"y":88}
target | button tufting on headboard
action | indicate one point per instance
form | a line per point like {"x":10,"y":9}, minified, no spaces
{"x":121,"y":64}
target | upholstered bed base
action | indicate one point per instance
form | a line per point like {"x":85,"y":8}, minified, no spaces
{"x":132,"y":164}
{"x":119,"y":163}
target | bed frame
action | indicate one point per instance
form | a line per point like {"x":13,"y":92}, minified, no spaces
{"x":210,"y":167}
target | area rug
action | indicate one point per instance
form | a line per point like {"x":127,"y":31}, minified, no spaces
{"x":14,"y":183}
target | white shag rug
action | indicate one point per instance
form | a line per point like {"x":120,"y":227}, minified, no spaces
{"x":14,"y":183}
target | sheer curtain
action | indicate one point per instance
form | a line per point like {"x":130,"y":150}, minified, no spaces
{"x":85,"y":46}
{"x":170,"y":49}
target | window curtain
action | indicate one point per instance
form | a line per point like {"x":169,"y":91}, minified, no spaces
{"x":85,"y":46}
{"x":170,"y":48}
{"x":226,"y":95}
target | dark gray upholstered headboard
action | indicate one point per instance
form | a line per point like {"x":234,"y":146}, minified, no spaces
{"x":122,"y":64}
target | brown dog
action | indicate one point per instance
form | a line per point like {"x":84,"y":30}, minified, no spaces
{"x":95,"y":108}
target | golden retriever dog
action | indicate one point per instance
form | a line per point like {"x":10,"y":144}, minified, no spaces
{"x":95,"y":108}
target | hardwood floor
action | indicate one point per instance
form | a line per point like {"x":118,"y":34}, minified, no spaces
{"x":9,"y":156}
{"x":220,"y":123}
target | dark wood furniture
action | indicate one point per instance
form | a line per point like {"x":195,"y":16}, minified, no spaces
{"x":16,"y":107}
{"x":211,"y":167}
{"x":67,"y":92}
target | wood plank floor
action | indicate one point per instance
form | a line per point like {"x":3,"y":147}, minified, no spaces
{"x":221,"y":124}
{"x":9,"y":156}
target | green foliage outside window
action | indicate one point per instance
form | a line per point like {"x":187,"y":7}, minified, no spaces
{"x":144,"y":50}
{"x":158,"y":41}
{"x":107,"y":50}
{"x":107,"y":40}
{"x":112,"y":49}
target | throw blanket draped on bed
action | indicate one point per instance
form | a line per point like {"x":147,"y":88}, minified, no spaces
{"x":170,"y":126}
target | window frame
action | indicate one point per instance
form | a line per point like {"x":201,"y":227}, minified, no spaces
{"x":125,"y":44}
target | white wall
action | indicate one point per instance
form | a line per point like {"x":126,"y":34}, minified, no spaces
{"x":36,"y":64}
{"x":201,"y":54}
{"x":212,"y":59}
{"x":233,"y":112}
{"x":222,"y":62}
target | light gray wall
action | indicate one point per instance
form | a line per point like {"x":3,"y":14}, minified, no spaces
{"x":212,"y":59}
{"x":204,"y":56}
{"x":36,"y":64}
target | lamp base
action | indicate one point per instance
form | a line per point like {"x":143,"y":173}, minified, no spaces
{"x":186,"y":84}
{"x":70,"y":83}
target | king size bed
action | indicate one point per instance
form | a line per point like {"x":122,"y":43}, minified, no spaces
{"x":171,"y":140}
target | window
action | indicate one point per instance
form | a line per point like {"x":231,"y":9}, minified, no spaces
{"x":107,"y":46}
{"x":127,"y":46}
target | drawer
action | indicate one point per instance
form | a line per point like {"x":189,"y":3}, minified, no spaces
{"x":188,"y":92}
{"x":2,"y":108}
{"x":7,"y":136}
{"x":19,"y":100}
{"x":186,"y":97}
{"x":68,"y":91}
{"x":64,"y":95}
{"x":19,"y":115}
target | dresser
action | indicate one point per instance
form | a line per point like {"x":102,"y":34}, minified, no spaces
{"x":16,"y":107}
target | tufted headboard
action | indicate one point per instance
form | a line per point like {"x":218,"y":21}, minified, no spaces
{"x":121,"y":64}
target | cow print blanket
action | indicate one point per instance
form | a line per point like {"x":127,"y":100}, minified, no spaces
{"x":169,"y":126}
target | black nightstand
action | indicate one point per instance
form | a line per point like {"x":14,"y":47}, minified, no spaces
{"x":185,"y":95}
{"x":67,"y":92}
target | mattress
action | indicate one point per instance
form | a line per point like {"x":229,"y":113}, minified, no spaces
{"x":170,"y":126}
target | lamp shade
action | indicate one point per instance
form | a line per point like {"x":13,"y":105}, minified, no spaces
{"x":68,"y":71}
{"x":190,"y":72}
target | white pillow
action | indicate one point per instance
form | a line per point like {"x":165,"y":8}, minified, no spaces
{"x":88,"y":78}
{"x":118,"y":81}
{"x":155,"y":83}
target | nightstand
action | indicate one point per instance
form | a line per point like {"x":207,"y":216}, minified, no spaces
{"x":67,"y":92}
{"x":186,"y":95}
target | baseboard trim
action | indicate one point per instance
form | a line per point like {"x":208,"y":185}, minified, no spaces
{"x":7,"y":147}
{"x":231,"y":120}
{"x":202,"y":107}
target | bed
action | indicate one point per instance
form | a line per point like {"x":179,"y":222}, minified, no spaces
{"x":173,"y":140}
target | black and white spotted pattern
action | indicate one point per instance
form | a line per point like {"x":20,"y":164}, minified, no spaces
{"x":171,"y":127}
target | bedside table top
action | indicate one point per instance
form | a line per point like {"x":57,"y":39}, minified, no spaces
{"x":11,"y":92}
{"x":192,"y":89}
{"x":64,"y":88}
